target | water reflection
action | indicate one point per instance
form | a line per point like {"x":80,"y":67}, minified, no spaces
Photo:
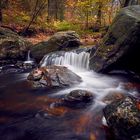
{"x":26,"y":113}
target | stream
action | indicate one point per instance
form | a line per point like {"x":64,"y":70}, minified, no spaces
{"x":29,"y":114}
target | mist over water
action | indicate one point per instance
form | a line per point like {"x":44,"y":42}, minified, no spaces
{"x":72,"y":60}
{"x":99,"y":84}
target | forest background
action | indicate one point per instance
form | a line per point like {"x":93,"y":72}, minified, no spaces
{"x":42,"y":18}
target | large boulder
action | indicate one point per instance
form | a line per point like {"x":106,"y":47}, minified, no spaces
{"x":12,"y":46}
{"x":121,"y":45}
{"x":53,"y":76}
{"x":60,"y":41}
{"x":123,"y":117}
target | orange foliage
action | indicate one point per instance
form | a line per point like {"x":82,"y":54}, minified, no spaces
{"x":92,"y":136}
{"x":38,"y":38}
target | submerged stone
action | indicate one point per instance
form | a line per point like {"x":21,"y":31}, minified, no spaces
{"x":78,"y":98}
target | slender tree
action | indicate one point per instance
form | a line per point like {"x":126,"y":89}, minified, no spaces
{"x":0,"y":14}
{"x":51,"y":9}
{"x":99,"y":13}
{"x":39,"y":6}
{"x":56,"y":9}
{"x":61,"y":9}
{"x":3,"y":4}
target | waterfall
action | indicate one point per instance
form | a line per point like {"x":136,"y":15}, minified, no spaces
{"x":28,"y":56}
{"x":78,"y":61}
{"x":29,"y":60}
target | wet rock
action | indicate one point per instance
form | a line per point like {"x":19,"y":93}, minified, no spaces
{"x":60,"y":41}
{"x":28,"y":64}
{"x":10,"y":69}
{"x":78,"y":98}
{"x":111,"y":97}
{"x":7,"y":62}
{"x":20,"y":66}
{"x":12,"y":46}
{"x":123,"y":117}
{"x":5,"y":32}
{"x":80,"y":50}
{"x":53,"y":76}
{"x":93,"y":49}
{"x":120,"y":47}
{"x":25,"y":65}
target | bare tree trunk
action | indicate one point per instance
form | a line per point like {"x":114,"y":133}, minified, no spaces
{"x":87,"y":20}
{"x":51,"y":10}
{"x":61,"y":9}
{"x":33,"y":17}
{"x":56,"y":10}
{"x":138,"y":2}
{"x":1,"y":18}
{"x":36,"y":12}
{"x":110,"y":13}
{"x":99,"y":14}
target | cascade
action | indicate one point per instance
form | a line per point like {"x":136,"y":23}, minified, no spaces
{"x":78,"y":61}
{"x":29,"y":60}
{"x":28,"y":56}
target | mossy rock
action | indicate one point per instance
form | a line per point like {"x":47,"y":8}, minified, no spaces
{"x":120,"y":46}
{"x":12,"y":46}
{"x":60,"y":41}
{"x":123,"y":117}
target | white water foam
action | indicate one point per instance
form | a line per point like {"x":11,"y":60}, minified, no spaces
{"x":77,"y":62}
{"x":99,"y":84}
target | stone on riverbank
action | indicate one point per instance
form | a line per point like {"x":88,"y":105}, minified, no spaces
{"x":12,"y":46}
{"x":120,"y":47}
{"x":61,"y":41}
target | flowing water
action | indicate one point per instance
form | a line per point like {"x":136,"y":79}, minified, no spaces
{"x":29,"y":60}
{"x":27,"y":113}
{"x":28,"y":56}
{"x":70,"y":59}
{"x":98,"y":84}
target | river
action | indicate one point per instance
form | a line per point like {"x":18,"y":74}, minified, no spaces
{"x":29,"y":114}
